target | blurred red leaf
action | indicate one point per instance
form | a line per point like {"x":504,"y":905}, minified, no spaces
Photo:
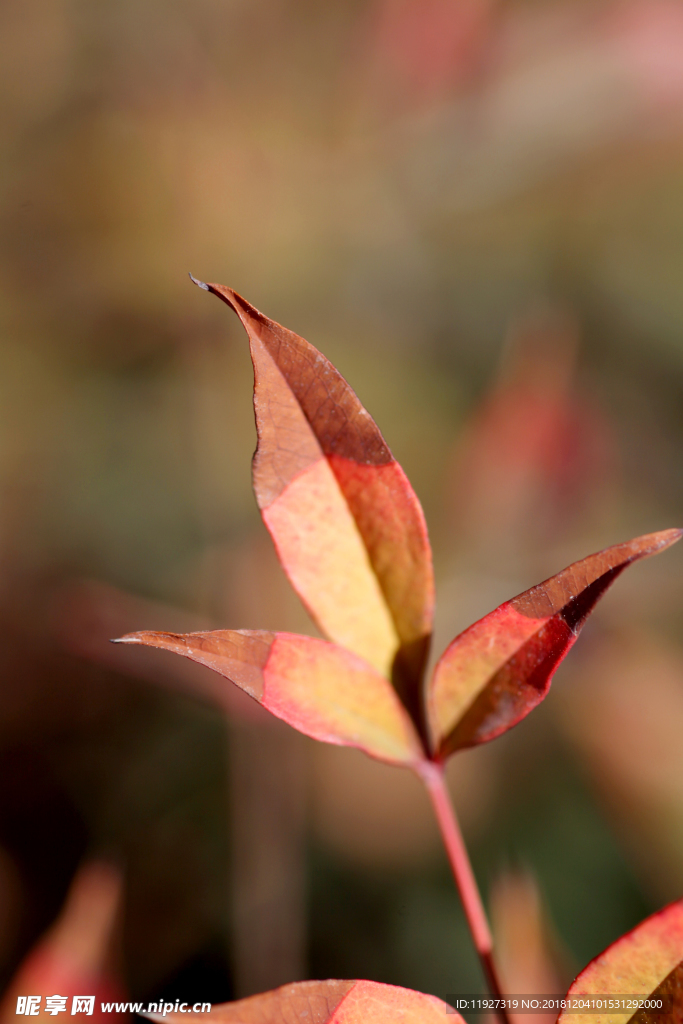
{"x":495,"y":672}
{"x":628,"y":696}
{"x":535,"y":454}
{"x":324,"y":691}
{"x":330,"y":1002}
{"x":526,"y":950}
{"x":347,"y":525}
{"x":648,"y":36}
{"x":72,"y":959}
{"x":647,"y":961}
{"x":429,"y":46}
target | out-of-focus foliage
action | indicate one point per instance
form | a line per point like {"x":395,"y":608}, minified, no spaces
{"x":406,"y":189}
{"x":77,"y":956}
{"x":527,"y":948}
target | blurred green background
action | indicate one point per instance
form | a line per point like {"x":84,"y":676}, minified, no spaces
{"x":475,"y":209}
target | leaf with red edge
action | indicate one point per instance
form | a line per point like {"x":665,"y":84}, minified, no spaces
{"x":72,"y":959}
{"x":328,"y":1002}
{"x":647,"y":961}
{"x":495,"y":672}
{"x":347,"y":525}
{"x":322,"y":690}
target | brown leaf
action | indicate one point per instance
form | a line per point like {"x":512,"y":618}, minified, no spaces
{"x":323,"y":690}
{"x":347,"y":525}
{"x":328,"y":1002}
{"x":495,"y":672}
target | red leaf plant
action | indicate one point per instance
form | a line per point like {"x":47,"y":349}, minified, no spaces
{"x":351,"y":536}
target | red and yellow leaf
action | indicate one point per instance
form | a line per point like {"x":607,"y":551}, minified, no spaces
{"x":329,"y":1002}
{"x":495,"y":672}
{"x":322,"y":690}
{"x":347,"y":525}
{"x":647,"y":961}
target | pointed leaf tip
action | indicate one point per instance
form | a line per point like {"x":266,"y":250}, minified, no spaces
{"x":200,"y":284}
{"x":495,"y":672}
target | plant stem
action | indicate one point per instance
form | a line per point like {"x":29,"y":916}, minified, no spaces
{"x":433,"y":778}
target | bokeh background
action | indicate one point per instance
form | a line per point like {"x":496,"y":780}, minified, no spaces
{"x":475,"y":208}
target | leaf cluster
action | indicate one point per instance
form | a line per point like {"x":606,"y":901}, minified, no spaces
{"x":351,"y":536}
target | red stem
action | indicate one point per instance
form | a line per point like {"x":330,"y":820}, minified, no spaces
{"x":433,"y":777}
